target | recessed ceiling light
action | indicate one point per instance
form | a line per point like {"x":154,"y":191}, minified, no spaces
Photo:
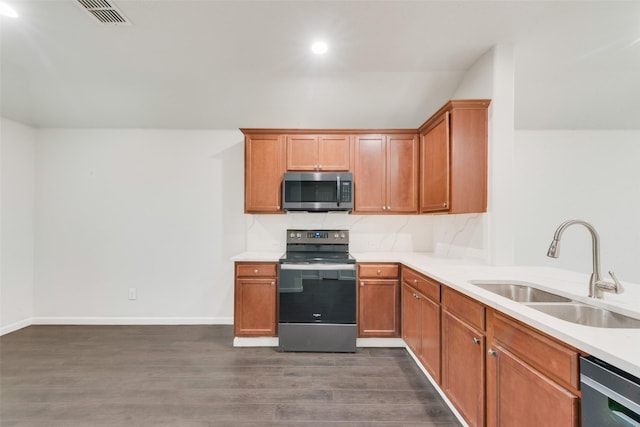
{"x":319,"y":48}
{"x":6,"y":10}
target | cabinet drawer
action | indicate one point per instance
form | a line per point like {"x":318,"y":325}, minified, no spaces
{"x":464,"y":307}
{"x":256,"y":270}
{"x":548,"y":356}
{"x":427,"y":286}
{"x":378,"y":270}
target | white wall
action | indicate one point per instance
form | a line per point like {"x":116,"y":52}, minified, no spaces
{"x":157,"y":210}
{"x":591,"y":175}
{"x":17,"y":154}
{"x":488,"y":236}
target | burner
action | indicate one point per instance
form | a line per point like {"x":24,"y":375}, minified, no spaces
{"x":317,"y":246}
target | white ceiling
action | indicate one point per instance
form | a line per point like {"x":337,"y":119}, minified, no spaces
{"x":207,"y":64}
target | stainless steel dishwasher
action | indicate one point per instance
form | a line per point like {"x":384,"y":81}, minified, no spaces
{"x":610,"y":396}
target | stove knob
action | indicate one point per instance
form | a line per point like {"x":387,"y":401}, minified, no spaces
{"x":292,"y":235}
{"x":342,"y":236}
{"x":335,"y":236}
{"x":299,"y":235}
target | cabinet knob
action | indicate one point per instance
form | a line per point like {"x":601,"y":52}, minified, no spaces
{"x":379,"y":272}
{"x":444,"y":205}
{"x":273,"y":283}
{"x":361,"y":283}
{"x":476,"y":340}
{"x":256,"y":271}
{"x":491,"y":352}
{"x":415,"y":281}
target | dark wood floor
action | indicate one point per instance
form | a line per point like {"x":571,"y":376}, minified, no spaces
{"x":192,"y":376}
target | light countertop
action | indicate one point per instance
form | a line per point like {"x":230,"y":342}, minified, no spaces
{"x":619,"y":347}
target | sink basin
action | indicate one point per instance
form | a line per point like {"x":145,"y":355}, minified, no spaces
{"x":520,"y":292}
{"x":588,"y":315}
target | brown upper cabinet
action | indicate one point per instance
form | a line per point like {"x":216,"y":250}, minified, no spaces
{"x":264,"y":157}
{"x":440,"y":167}
{"x":318,"y":152}
{"x":453,"y":158}
{"x":386,"y":173}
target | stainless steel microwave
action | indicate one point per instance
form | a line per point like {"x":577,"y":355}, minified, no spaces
{"x":317,"y":191}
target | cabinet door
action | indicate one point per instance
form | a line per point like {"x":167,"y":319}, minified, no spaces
{"x":264,"y":167}
{"x":463,"y":372}
{"x":255,"y":307}
{"x":370,"y":173}
{"x":434,"y":167}
{"x":430,"y":336}
{"x":402,"y":173}
{"x":333,"y":152}
{"x":302,"y":152}
{"x":378,"y":308}
{"x":521,"y":396}
{"x":411,"y":319}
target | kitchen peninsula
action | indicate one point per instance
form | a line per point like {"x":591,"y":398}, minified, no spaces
{"x":567,"y":340}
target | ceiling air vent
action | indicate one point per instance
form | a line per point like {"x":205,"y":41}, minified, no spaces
{"x":104,"y":11}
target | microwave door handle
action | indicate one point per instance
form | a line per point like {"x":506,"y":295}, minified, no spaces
{"x":338,"y":190}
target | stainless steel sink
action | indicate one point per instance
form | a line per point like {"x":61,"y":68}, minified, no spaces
{"x":587,"y":315}
{"x":520,"y":292}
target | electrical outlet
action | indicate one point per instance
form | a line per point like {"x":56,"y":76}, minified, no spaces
{"x":133,"y":294}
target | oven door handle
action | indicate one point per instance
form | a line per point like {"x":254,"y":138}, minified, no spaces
{"x":294,"y":266}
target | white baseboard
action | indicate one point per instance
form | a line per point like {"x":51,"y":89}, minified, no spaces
{"x":255,"y":341}
{"x":15,"y":326}
{"x":437,"y":387}
{"x":132,"y":321}
{"x":115,"y":321}
{"x":273,"y":342}
{"x":380,"y":342}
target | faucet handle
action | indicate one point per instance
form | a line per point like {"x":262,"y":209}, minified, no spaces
{"x":603,"y":285}
{"x":618,"y":286}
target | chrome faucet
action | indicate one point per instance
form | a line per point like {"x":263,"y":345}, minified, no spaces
{"x":596,"y":285}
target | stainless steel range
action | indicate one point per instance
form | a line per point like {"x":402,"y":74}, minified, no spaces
{"x":317,"y":292}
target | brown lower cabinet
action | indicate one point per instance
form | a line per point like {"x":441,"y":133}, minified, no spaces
{"x":494,"y":369}
{"x":255,"y":299}
{"x":421,"y":319}
{"x":532,"y":380}
{"x":463,"y":355}
{"x":378,"y":300}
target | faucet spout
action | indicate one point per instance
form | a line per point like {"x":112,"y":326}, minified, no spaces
{"x":596,"y":284}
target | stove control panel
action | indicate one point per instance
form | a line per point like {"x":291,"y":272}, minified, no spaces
{"x":318,"y":236}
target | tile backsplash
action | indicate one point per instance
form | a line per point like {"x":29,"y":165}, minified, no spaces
{"x":450,"y":235}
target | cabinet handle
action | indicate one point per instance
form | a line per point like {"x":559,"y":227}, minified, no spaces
{"x":492,"y":352}
{"x":476,"y":340}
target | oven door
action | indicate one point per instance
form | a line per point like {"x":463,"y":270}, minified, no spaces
{"x":317,"y":293}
